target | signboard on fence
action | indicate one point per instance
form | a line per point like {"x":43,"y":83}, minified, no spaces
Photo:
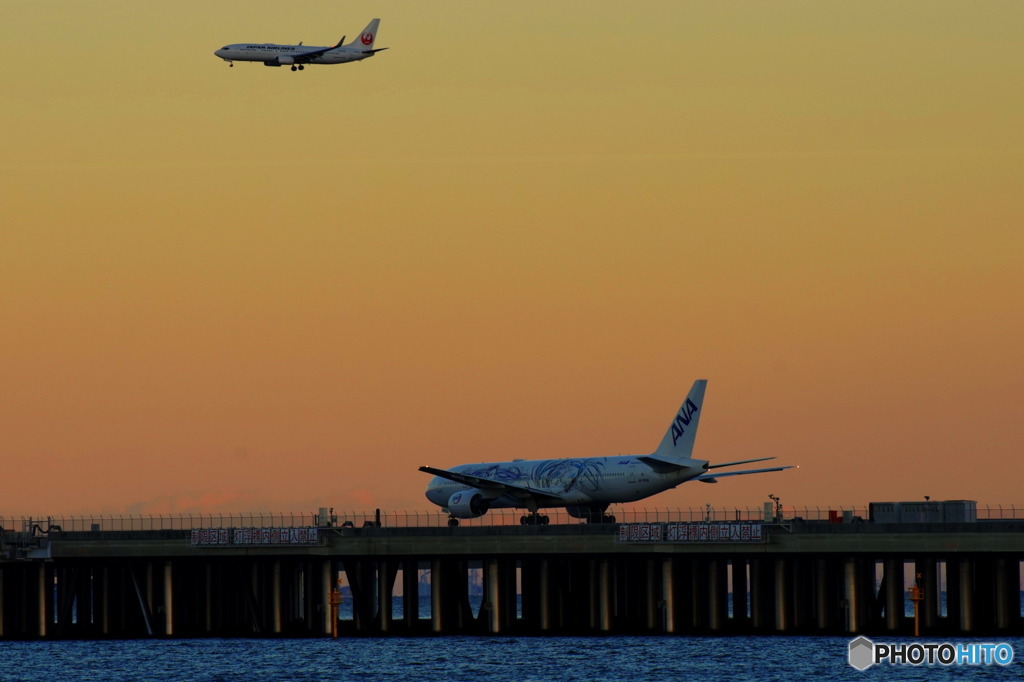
{"x":249,"y":537}
{"x":717,"y":533}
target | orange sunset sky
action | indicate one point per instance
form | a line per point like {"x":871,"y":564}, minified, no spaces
{"x":523,"y":231}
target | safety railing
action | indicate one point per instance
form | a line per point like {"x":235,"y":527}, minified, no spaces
{"x":436,"y":518}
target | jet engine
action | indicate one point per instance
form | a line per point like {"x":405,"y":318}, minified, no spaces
{"x":466,"y":505}
{"x":286,"y":60}
{"x":593,"y":513}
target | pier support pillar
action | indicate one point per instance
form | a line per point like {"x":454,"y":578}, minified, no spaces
{"x":852,"y":597}
{"x":760,"y":595}
{"x":697,"y":600}
{"x":929,"y":582}
{"x":783,"y":608}
{"x":894,"y":594}
{"x":43,"y":617}
{"x":411,"y":595}
{"x":385,"y":588}
{"x":1007,"y":593}
{"x":801,"y":588}
{"x":492,"y":597}
{"x":168,"y":600}
{"x":739,"y":592}
{"x":545,"y":595}
{"x":717,"y":594}
{"x":436,"y":621}
{"x":208,"y":622}
{"x":604,"y":622}
{"x":652,"y":592}
{"x":2,"y":631}
{"x":105,"y":601}
{"x":275,"y":596}
{"x":965,"y":575}
{"x":825,"y":599}
{"x":668,"y":596}
{"x":326,"y":585}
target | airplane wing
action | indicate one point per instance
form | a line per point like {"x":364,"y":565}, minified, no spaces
{"x":711,"y":478}
{"x":497,"y":487}
{"x":313,"y":54}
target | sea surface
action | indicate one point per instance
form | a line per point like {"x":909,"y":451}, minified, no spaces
{"x":474,"y":659}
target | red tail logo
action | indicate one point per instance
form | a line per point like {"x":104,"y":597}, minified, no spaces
{"x":367,"y":39}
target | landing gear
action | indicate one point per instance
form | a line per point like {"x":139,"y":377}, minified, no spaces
{"x":534,"y":519}
{"x":600,"y":517}
{"x":294,"y":68}
{"x":297,"y":67}
{"x":231,"y":64}
{"x":452,"y":522}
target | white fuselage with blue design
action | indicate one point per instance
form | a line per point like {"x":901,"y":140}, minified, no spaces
{"x":584,"y":486}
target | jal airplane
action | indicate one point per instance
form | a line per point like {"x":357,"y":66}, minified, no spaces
{"x":584,"y":486}
{"x":297,"y":56}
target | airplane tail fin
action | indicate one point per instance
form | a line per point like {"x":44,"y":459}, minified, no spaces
{"x":678,"y":441}
{"x":366,"y":38}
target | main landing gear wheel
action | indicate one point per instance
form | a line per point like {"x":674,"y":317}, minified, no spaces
{"x":534,"y":520}
{"x":453,"y":522}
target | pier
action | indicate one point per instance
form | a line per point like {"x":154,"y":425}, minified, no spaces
{"x":655,"y":573}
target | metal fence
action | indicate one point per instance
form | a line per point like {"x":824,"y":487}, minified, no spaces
{"x":436,"y":518}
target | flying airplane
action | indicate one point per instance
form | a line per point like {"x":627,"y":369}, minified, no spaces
{"x":297,"y":56}
{"x":583,"y":486}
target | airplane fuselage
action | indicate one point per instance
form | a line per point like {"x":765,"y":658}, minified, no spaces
{"x":297,"y":56}
{"x":281,"y":55}
{"x":583,"y":486}
{"x":583,"y":482}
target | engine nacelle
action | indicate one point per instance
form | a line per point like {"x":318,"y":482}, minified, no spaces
{"x":271,"y":62}
{"x":286,"y":60}
{"x":467,"y":505}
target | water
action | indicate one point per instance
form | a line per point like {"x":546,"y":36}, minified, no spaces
{"x":473,"y":659}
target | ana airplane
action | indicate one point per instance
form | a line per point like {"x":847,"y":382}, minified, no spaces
{"x":297,"y":56}
{"x":586,"y":486}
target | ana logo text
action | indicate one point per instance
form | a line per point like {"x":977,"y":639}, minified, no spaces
{"x":683,"y":420}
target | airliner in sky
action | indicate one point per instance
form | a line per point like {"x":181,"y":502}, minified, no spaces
{"x":297,"y":56}
{"x":583,"y":486}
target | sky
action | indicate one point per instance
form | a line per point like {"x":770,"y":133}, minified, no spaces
{"x":522,"y":231}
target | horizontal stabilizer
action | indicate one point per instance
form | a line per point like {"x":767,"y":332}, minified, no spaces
{"x":710,"y":478}
{"x":745,"y":461}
